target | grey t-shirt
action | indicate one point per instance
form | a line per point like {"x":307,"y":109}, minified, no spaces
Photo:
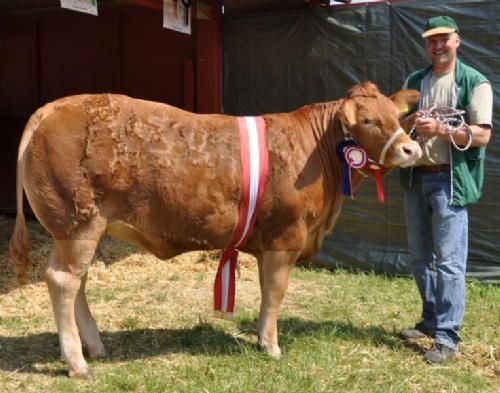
{"x":435,"y":150}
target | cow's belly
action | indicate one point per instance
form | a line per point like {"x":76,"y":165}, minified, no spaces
{"x":128,"y":233}
{"x":316,"y":235}
{"x":168,"y":239}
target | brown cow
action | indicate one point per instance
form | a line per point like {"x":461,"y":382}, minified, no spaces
{"x":169,"y":180}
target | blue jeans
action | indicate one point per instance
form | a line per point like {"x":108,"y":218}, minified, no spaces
{"x":438,"y":242}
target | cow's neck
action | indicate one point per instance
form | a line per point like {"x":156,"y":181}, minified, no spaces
{"x":326,"y":134}
{"x":326,"y":129}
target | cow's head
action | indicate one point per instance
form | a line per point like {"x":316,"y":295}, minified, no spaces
{"x":372,"y":119}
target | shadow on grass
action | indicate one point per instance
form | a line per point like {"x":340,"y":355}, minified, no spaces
{"x":21,"y":354}
{"x":290,"y":329}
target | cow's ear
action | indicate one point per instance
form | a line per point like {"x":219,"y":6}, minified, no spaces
{"x":347,"y":113}
{"x":405,"y":99}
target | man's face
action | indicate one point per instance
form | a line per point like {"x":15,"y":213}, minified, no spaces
{"x":442,"y":48}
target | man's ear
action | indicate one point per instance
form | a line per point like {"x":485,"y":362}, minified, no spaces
{"x":404,"y":100}
{"x":347,"y":112}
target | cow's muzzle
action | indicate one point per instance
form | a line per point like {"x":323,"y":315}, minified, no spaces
{"x":406,"y":154}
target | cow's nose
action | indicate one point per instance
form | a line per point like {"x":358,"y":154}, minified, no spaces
{"x":411,"y":151}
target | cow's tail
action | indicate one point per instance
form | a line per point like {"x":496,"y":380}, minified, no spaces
{"x":18,"y":247}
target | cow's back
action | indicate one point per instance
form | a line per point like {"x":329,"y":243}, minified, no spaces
{"x":165,"y":178}
{"x":147,"y":165}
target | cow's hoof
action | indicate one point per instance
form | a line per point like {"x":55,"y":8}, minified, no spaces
{"x":98,"y":354}
{"x":84,"y":374}
{"x":273,"y":351}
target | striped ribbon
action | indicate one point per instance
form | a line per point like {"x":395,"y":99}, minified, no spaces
{"x":254,"y":165}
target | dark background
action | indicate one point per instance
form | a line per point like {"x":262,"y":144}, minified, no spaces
{"x":280,"y":61}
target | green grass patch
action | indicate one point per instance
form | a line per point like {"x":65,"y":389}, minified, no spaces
{"x":338,"y":332}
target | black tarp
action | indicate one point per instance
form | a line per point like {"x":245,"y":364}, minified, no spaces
{"x":279,"y":62}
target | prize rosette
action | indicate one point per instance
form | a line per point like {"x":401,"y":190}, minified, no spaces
{"x":354,"y":156}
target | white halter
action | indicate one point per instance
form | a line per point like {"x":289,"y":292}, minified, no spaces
{"x":387,"y":145}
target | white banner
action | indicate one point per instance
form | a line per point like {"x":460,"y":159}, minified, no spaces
{"x":177,"y":15}
{"x":87,"y":6}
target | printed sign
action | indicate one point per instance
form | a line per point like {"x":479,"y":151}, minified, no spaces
{"x":177,"y":15}
{"x":87,"y":6}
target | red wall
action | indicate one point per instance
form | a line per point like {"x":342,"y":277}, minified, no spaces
{"x":124,"y":50}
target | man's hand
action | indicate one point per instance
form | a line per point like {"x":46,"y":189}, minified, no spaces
{"x":428,"y":127}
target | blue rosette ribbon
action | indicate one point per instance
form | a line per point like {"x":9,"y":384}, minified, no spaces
{"x":352,"y":156}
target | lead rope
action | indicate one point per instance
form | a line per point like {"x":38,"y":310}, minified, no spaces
{"x":451,"y":119}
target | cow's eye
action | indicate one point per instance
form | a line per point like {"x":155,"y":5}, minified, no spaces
{"x":367,"y":121}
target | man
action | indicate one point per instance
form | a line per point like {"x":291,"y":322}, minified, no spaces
{"x":442,"y":183}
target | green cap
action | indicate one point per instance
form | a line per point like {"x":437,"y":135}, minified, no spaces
{"x":439,"y":25}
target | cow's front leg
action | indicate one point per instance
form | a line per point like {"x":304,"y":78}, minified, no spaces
{"x":274,"y":274}
{"x":87,"y":325}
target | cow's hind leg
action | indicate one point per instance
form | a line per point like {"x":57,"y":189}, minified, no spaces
{"x":274,"y":274}
{"x":65,"y":274}
{"x":87,"y":325}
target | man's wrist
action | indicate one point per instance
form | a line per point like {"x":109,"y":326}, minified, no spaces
{"x":439,"y":130}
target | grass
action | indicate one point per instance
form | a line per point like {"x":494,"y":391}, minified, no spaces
{"x":338,"y":331}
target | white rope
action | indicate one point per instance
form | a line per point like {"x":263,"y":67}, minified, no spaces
{"x":451,"y":119}
{"x":389,"y":144}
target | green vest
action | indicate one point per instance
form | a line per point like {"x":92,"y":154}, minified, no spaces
{"x":467,"y":166}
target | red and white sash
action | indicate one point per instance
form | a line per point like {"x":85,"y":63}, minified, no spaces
{"x":254,"y":165}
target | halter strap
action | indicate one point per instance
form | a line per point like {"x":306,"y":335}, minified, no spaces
{"x":387,"y":145}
